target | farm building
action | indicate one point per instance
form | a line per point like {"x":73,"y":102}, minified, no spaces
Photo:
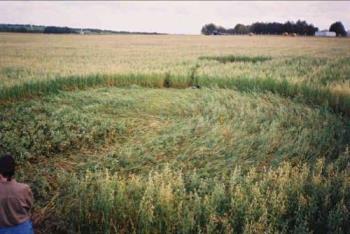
{"x":325,"y":33}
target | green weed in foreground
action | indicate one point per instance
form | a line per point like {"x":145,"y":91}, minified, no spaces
{"x":286,"y":199}
{"x":234,"y":58}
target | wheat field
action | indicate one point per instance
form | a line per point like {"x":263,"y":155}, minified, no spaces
{"x":179,"y":134}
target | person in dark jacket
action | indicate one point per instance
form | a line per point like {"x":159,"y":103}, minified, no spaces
{"x":16,"y":200}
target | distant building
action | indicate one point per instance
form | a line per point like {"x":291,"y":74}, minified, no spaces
{"x":325,"y":33}
{"x":348,"y":33}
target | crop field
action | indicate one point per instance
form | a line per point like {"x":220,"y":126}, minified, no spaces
{"x":179,"y":134}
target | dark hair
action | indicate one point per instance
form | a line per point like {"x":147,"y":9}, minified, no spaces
{"x":7,"y":166}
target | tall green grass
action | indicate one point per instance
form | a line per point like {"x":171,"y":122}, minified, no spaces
{"x":311,"y":94}
{"x":287,"y":199}
{"x":35,"y":88}
{"x":336,"y":70}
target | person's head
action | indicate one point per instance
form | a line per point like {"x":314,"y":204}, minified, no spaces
{"x":7,"y":166}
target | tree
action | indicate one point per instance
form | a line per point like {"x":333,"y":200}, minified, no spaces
{"x":338,"y":28}
{"x":301,"y":27}
{"x":209,"y":29}
{"x":241,"y":29}
{"x":59,"y":30}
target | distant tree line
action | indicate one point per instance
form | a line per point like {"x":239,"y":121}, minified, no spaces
{"x":59,"y":30}
{"x":299,"y":27}
{"x":21,"y":28}
{"x":28,"y":28}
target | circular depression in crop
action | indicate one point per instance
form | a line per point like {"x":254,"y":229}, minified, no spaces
{"x":212,"y":130}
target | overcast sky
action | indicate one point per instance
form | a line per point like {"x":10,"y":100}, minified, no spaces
{"x":171,"y":17}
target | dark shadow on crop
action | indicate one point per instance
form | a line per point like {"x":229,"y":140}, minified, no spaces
{"x":238,"y":59}
{"x":193,"y":77}
{"x":167,"y":81}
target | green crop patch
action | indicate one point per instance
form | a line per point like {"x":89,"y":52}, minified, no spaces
{"x":236,"y":59}
{"x":14,"y":72}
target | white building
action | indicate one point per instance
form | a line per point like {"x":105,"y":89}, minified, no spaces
{"x":325,"y":33}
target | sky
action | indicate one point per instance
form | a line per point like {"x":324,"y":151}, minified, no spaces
{"x":181,"y":17}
